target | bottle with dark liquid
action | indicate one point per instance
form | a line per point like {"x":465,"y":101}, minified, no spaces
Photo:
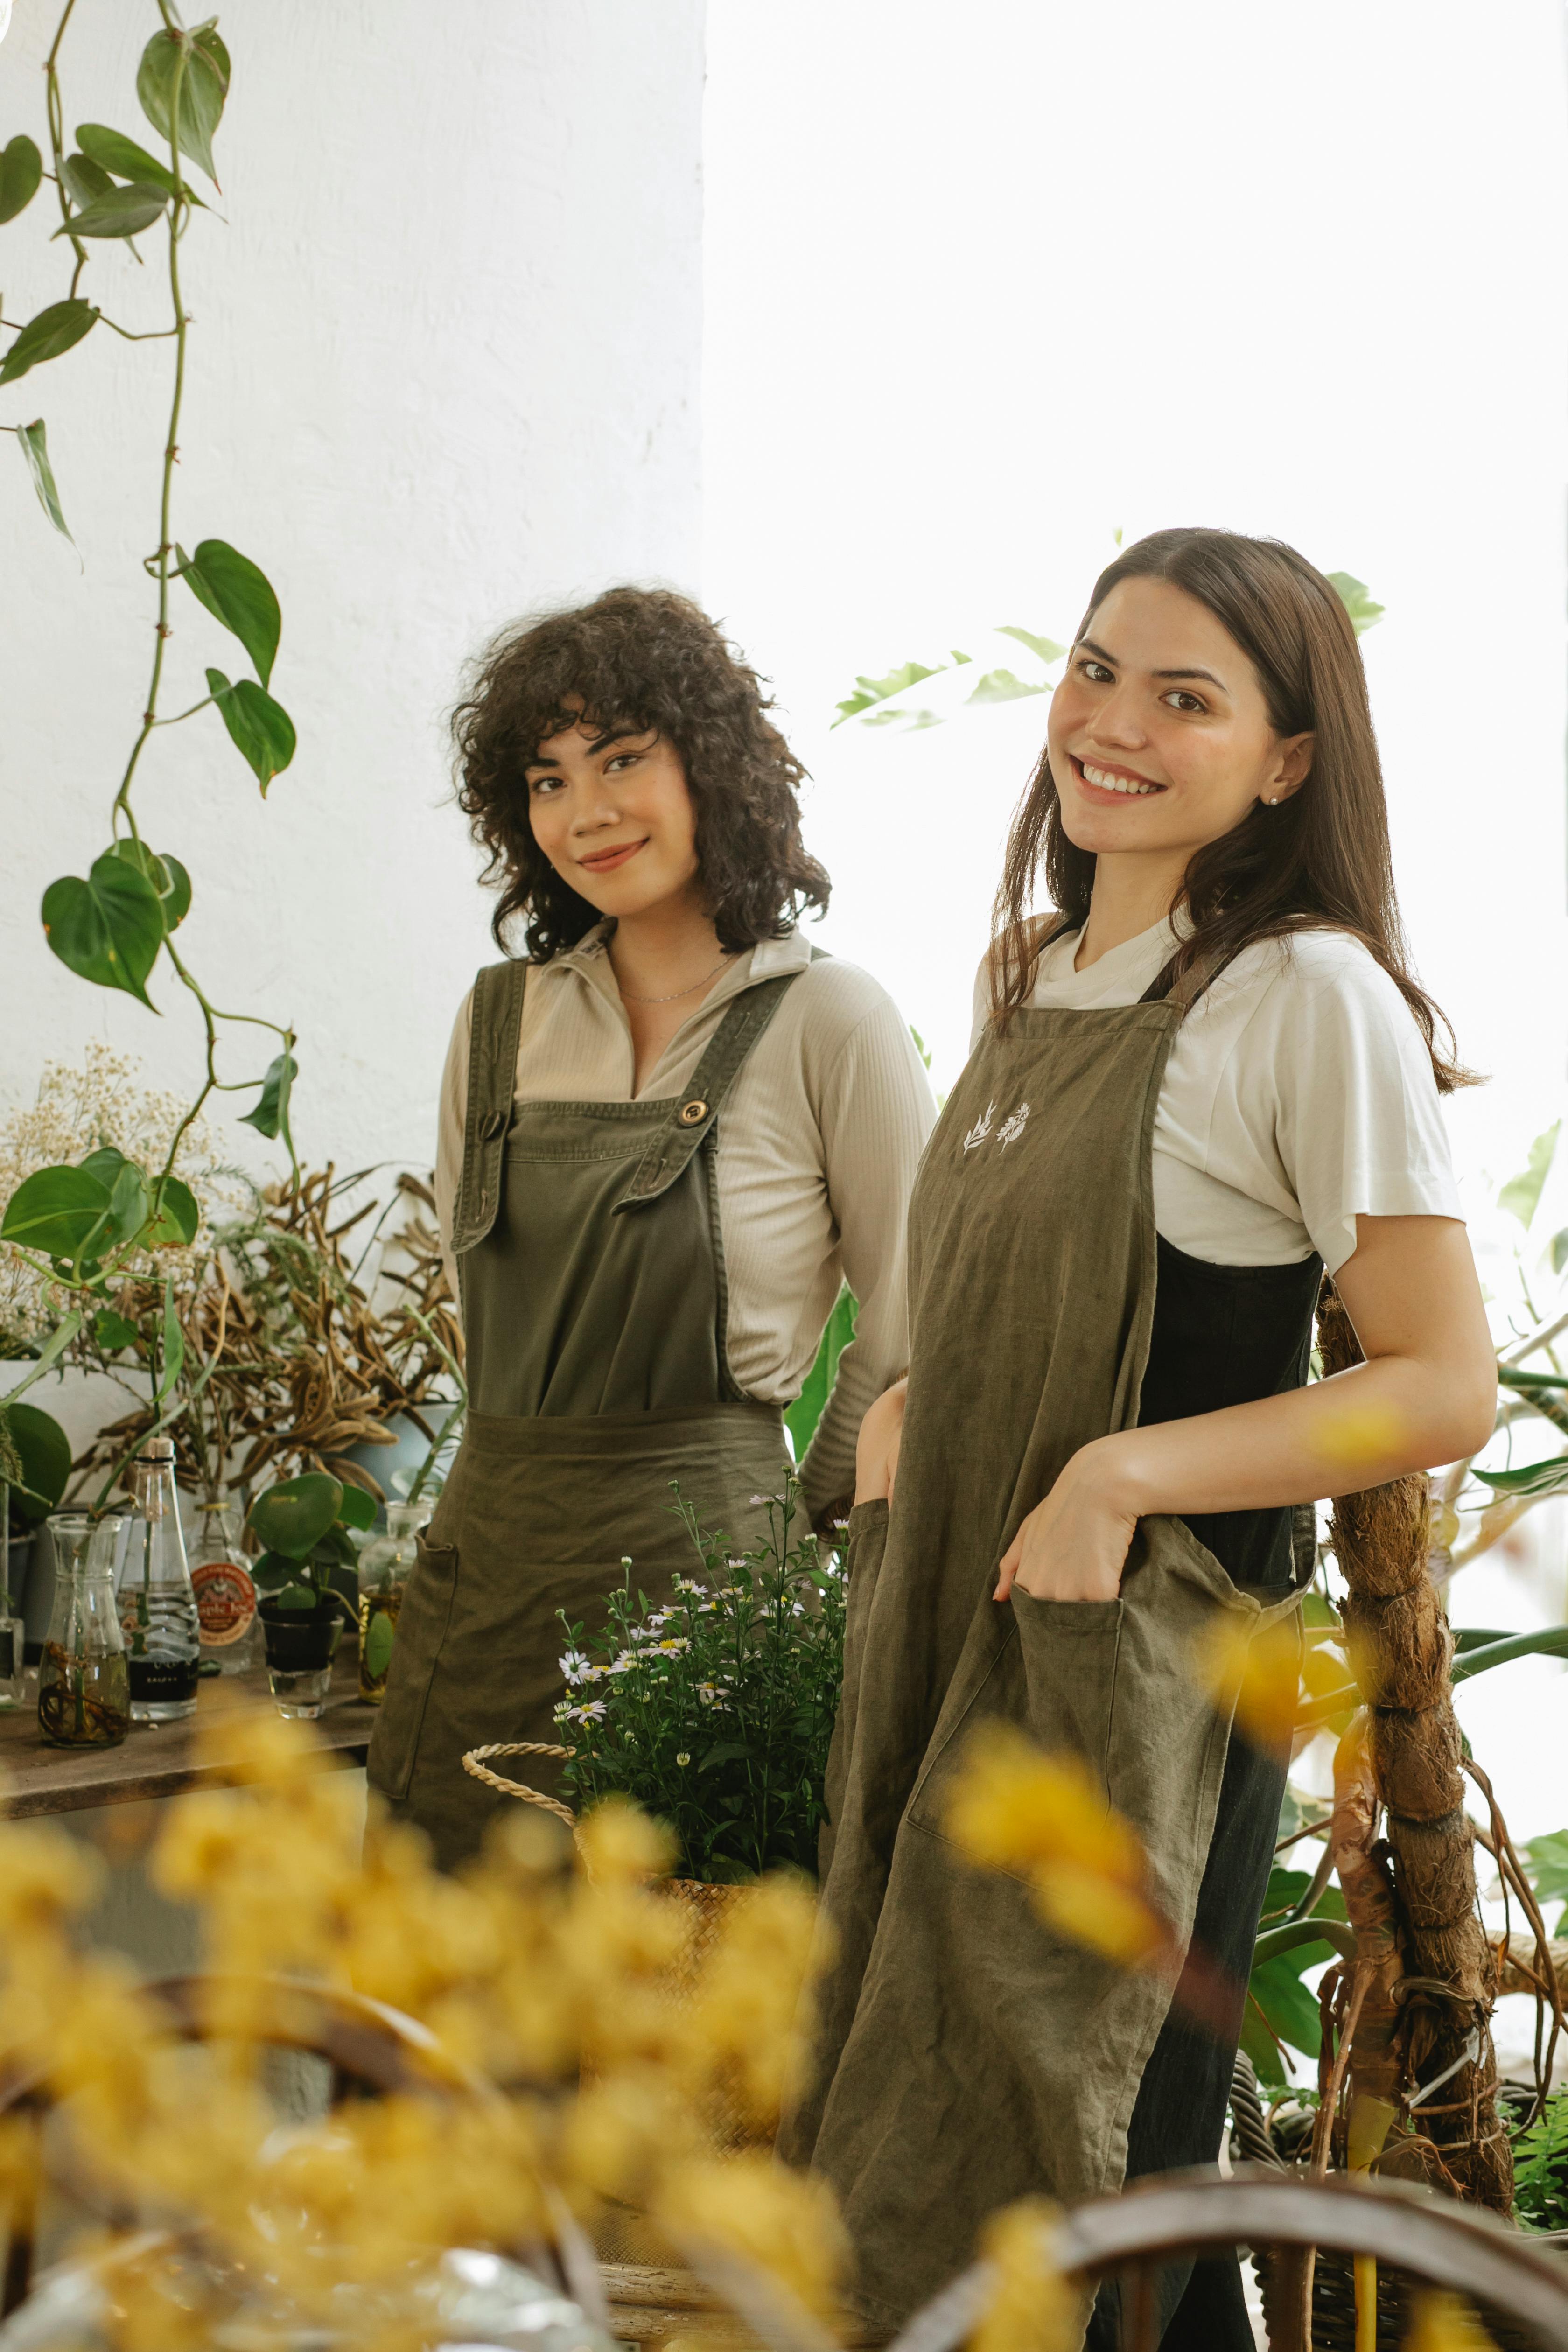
{"x":157,"y":1603}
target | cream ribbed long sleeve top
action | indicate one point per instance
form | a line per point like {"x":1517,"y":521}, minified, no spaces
{"x":817,"y":1146}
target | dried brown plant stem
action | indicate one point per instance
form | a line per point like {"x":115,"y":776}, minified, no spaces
{"x":1402,"y":1650}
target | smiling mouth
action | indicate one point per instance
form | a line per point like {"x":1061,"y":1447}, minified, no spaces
{"x":1120,"y":780}
{"x":605,"y":861}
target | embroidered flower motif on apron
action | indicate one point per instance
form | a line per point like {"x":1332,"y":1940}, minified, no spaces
{"x":592,"y":1269}
{"x":966,"y":2055}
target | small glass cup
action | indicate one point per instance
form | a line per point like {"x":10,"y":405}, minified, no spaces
{"x":84,"y":1682}
{"x":300,"y":1692}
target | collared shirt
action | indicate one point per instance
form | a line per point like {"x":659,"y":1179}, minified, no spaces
{"x":817,"y":1146}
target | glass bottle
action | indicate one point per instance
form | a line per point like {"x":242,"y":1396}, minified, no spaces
{"x":221,"y":1579}
{"x":84,"y":1690}
{"x":157,"y":1606}
{"x":383,"y":1569}
{"x":12,"y":1632}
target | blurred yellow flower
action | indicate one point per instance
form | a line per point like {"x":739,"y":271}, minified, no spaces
{"x":1048,"y":1820}
{"x":786,"y":2223}
{"x":1443,"y":2324}
{"x":1033,"y":2308}
{"x":1352,"y":1436}
{"x":1267,"y":1673}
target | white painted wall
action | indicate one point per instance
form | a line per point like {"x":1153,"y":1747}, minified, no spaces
{"x":444,"y":367}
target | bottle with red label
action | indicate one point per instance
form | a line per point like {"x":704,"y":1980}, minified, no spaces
{"x":221,"y":1579}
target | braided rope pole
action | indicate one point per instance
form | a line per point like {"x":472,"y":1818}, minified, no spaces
{"x":1402,"y":1649}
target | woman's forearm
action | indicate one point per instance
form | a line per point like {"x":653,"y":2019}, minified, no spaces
{"x":1360,"y":1429}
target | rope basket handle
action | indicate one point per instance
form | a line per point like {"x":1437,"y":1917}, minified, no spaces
{"x":475,"y":1765}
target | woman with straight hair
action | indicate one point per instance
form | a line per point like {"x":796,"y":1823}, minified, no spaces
{"x":668,"y":1135}
{"x":1207,"y":1076}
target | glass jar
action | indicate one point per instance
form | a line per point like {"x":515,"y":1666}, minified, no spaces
{"x":157,"y":1605}
{"x":12,"y":1632}
{"x":221,"y":1580}
{"x":84,"y":1689}
{"x":384,"y":1564}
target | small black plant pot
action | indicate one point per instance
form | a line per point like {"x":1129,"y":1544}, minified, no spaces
{"x":301,"y":1641}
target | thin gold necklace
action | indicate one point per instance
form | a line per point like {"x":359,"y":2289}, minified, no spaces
{"x":676,"y":994}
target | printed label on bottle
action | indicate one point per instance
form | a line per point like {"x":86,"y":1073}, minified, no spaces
{"x":162,"y":1682}
{"x":225,"y":1601}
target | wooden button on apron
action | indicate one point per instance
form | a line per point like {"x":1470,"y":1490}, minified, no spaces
{"x":692,"y":1112}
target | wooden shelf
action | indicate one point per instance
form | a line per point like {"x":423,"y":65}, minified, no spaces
{"x":157,"y":1760}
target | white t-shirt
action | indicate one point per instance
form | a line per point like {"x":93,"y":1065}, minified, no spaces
{"x":1299,"y":1094}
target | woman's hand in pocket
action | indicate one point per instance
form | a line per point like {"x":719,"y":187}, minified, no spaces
{"x":876,"y":1448}
{"x":1073,"y":1546}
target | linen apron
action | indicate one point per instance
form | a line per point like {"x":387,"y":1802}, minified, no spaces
{"x":967,"y":2055}
{"x":594,"y":1308}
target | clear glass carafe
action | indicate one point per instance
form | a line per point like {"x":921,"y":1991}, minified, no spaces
{"x":384,"y":1564}
{"x":225,"y":1596}
{"x":84,"y":1688}
{"x":157,"y":1604}
{"x":12,"y":1631}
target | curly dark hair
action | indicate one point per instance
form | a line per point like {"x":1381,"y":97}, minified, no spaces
{"x":635,"y":659}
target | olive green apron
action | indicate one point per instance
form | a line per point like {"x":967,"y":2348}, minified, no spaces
{"x":967,"y":2055}
{"x":595,"y":1308}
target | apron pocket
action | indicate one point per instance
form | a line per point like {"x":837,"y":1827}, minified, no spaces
{"x":422,"y":1624}
{"x":1069,"y":1651}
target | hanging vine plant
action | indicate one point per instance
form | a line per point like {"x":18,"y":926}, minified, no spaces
{"x":116,"y":927}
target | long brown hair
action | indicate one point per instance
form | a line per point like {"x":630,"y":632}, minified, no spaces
{"x":1320,"y":860}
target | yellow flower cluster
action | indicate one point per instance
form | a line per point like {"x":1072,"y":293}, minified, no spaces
{"x":568,"y":2030}
{"x":1033,"y":2308}
{"x":1046,"y":1819}
{"x":1269,"y":1673}
{"x":1443,"y":2324}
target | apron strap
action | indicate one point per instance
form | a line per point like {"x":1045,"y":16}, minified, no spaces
{"x":1183,"y":993}
{"x":692,"y":1119}
{"x":493,"y":1035}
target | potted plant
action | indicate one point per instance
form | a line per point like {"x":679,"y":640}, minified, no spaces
{"x":303,"y":1524}
{"x":715,"y":1710}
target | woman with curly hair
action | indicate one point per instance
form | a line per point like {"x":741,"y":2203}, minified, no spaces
{"x":668,"y":1133}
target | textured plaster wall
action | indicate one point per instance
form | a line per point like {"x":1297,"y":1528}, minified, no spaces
{"x":445,"y":367}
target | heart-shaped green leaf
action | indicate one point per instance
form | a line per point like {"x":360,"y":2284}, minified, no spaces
{"x":239,"y":594}
{"x":272,"y":1571}
{"x":125,"y":159}
{"x":45,"y":336}
{"x":44,"y":1454}
{"x":128,"y":1209}
{"x":84,"y":180}
{"x":122,"y":212}
{"x":357,"y":1508}
{"x":379,"y":1637}
{"x":35,"y":450}
{"x":292,"y":1517}
{"x":113,"y":1332}
{"x":261,"y":729}
{"x":270,"y":1116}
{"x":55,"y":1211}
{"x":204,"y":86}
{"x":21,"y":169}
{"x":174,"y":1346}
{"x":296,"y":1596}
{"x":108,"y":928}
{"x":179,"y":1216}
{"x":166,"y":874}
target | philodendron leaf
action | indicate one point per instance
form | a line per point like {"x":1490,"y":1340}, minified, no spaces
{"x":108,"y":928}
{"x":21,"y":169}
{"x":166,"y":874}
{"x":357,"y":1509}
{"x":1047,"y":647}
{"x":292,"y":1517}
{"x":203,"y":89}
{"x":1521,"y":1194}
{"x":84,"y":180}
{"x":178,"y":1219}
{"x":869,"y":691}
{"x":43,"y":1452}
{"x":239,"y":594}
{"x":1353,"y":596}
{"x":1535,"y":1479}
{"x":1001,"y":686}
{"x":270,"y":1116}
{"x":56,"y":1210}
{"x":260,"y":728}
{"x":35,"y":449}
{"x":114,"y":152}
{"x":121,"y":212}
{"x":46,"y":335}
